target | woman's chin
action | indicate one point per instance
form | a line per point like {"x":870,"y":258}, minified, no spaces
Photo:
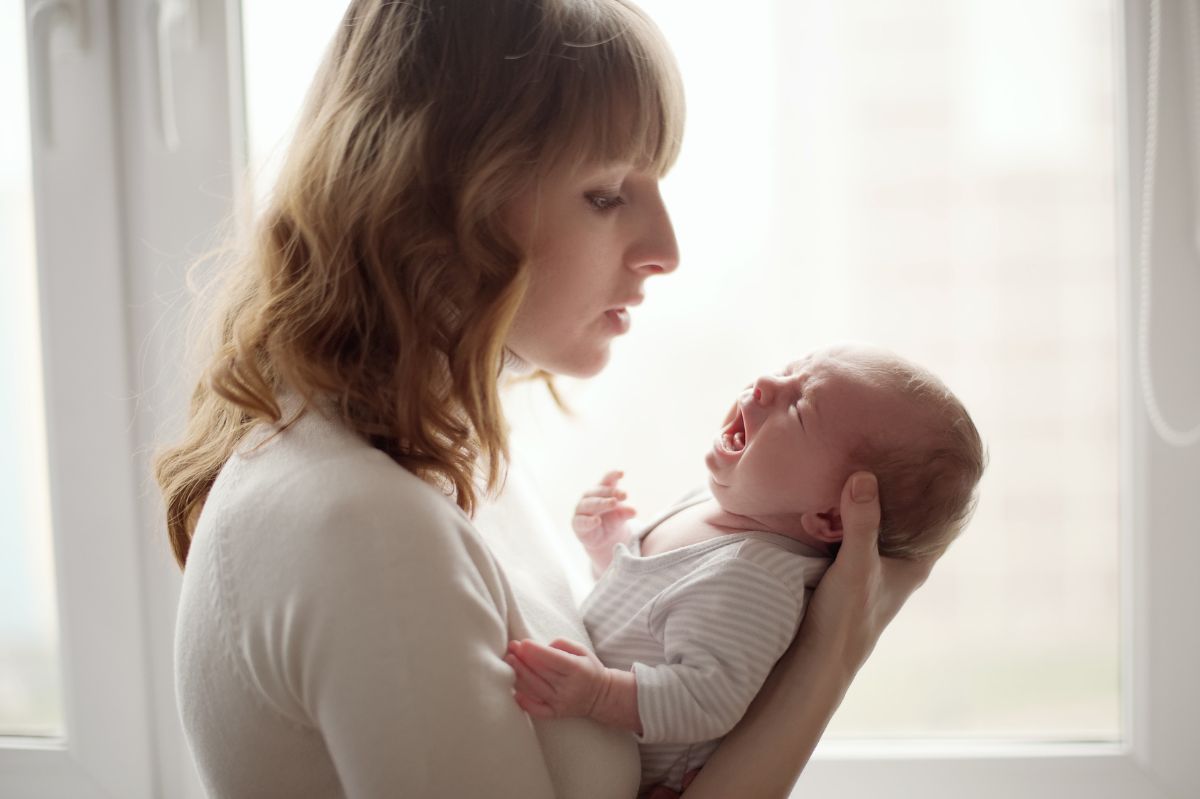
{"x":581,"y":364}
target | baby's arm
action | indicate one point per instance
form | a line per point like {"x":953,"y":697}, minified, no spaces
{"x":722,"y":631}
{"x":601,"y":521}
{"x":565,"y":679}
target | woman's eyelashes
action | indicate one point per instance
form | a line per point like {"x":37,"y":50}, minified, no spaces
{"x":604,"y":201}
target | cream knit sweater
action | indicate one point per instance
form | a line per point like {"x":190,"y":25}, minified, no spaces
{"x":340,"y":633}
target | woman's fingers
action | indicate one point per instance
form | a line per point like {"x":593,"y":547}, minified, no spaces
{"x":860,"y":523}
{"x":862,"y":591}
{"x":860,"y":520}
{"x":663,"y":792}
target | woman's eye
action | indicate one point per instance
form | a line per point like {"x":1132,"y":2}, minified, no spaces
{"x":605,"y":202}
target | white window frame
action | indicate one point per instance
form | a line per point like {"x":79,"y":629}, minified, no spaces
{"x":120,"y":214}
{"x":93,"y":490}
{"x":121,"y":207}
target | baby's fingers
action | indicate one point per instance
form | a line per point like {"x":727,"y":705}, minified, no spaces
{"x":595,"y":506}
{"x":585,"y":525}
{"x":612,"y":478}
{"x":550,"y":662}
{"x":528,"y":680}
{"x":534,"y":707}
{"x":605,"y":491}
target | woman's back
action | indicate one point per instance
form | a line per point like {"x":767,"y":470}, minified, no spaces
{"x":340,"y":632}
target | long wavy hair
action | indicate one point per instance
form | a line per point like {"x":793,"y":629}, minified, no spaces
{"x":378,"y":278}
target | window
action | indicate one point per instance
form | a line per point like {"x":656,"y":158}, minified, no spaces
{"x":833,"y":106}
{"x":30,"y":693}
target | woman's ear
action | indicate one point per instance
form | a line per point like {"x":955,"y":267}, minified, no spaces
{"x":825,"y":526}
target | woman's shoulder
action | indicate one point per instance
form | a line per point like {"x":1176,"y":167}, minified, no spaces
{"x":318,"y":487}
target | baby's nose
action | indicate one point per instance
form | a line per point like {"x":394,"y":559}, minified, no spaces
{"x":765,"y":389}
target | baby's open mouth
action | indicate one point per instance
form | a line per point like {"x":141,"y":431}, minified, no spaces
{"x":733,"y":437}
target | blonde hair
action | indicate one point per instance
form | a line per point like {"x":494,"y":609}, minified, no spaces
{"x":928,"y":481}
{"x":379,"y":276}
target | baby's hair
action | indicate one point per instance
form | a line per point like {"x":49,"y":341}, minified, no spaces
{"x":928,"y":481}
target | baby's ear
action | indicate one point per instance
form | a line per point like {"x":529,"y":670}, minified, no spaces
{"x":825,"y":526}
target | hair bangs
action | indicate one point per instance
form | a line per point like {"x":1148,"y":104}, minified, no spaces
{"x":620,"y":96}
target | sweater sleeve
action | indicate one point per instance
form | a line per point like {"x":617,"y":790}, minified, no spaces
{"x":401,"y":625}
{"x":722,"y":630}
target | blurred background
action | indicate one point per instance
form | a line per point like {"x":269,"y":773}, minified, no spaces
{"x":935,"y":177}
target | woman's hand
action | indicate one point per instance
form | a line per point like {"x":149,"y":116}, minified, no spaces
{"x":663,"y":792}
{"x":861,"y":592}
{"x":855,"y":600}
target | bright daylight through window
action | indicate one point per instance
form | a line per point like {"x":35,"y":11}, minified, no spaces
{"x":30,"y":701}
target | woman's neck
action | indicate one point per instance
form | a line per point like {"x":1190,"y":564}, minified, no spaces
{"x":514,"y":365}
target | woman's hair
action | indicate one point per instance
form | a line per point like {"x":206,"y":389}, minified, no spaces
{"x":379,"y":279}
{"x":929,"y":477}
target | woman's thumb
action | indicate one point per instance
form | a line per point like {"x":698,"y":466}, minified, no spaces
{"x":860,"y":513}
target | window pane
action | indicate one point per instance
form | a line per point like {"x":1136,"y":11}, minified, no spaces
{"x":30,"y":694}
{"x":979,"y":178}
{"x":278,"y":64}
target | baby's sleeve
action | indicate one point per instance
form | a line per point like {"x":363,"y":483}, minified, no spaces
{"x":722,"y":630}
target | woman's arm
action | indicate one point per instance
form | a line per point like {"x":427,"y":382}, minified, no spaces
{"x":857,"y":598}
{"x":396,"y":647}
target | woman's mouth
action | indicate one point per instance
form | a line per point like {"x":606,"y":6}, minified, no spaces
{"x":618,"y":319}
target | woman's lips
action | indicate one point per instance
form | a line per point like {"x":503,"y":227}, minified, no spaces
{"x":618,"y":319}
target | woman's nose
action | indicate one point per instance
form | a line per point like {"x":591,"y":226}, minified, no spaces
{"x":657,"y":251}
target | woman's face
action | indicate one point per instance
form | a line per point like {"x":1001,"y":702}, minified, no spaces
{"x":593,"y":235}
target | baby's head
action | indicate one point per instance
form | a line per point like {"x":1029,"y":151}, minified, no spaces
{"x":794,"y":437}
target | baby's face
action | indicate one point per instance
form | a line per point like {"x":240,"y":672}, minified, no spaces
{"x":784,"y":450}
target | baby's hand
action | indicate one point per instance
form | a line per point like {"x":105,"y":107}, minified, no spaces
{"x":601,"y":521}
{"x":561,"y":680}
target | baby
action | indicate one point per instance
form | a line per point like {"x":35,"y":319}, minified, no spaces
{"x":689,"y":615}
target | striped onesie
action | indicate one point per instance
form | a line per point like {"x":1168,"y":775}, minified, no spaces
{"x":700,"y":626}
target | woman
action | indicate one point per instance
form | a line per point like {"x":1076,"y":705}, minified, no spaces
{"x":473,"y":187}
